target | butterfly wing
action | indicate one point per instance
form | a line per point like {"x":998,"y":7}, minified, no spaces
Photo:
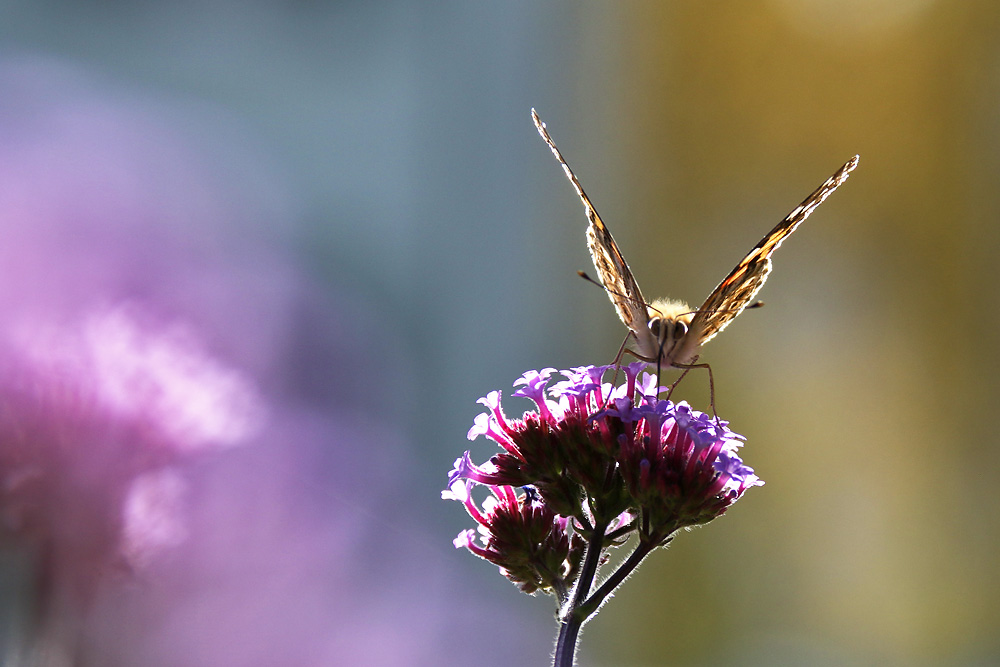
{"x":611,"y":267}
{"x":734,"y":293}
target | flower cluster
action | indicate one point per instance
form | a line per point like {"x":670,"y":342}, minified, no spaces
{"x":592,"y":456}
{"x":528,"y":541}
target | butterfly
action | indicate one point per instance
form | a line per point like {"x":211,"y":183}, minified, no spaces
{"x":670,"y":333}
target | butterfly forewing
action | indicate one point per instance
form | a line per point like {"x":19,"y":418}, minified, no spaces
{"x":735,"y":293}
{"x":611,"y":267}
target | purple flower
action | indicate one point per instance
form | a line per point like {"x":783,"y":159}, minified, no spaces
{"x":594,"y":452}
{"x":533,"y":386}
{"x":534,"y":548}
{"x":556,"y":448}
{"x":681,"y":467}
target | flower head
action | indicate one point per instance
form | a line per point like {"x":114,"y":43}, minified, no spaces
{"x":595,"y":452}
{"x":534,"y":547}
{"x":682,"y":466}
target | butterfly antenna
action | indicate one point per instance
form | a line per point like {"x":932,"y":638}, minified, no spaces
{"x":618,"y":365}
{"x":585,"y":276}
{"x":755,"y":304}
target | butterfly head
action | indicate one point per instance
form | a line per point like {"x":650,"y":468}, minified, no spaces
{"x":669,"y":324}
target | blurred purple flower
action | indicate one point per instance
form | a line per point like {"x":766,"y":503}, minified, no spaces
{"x":93,"y":414}
{"x":112,"y":371}
{"x":151,"y":314}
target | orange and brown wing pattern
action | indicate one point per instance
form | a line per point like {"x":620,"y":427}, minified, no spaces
{"x":611,"y":267}
{"x":735,"y":292}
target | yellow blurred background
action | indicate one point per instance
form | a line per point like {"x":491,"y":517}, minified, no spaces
{"x":866,"y":385}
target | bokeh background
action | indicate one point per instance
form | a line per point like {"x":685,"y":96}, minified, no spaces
{"x":349,"y":202}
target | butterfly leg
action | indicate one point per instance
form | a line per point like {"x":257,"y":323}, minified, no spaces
{"x":659,"y":367}
{"x":618,"y":357}
{"x":618,"y":363}
{"x":711,"y":384}
{"x":670,"y":390}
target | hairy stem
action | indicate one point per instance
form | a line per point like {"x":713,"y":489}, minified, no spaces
{"x":570,"y":618}
{"x":594,"y":602}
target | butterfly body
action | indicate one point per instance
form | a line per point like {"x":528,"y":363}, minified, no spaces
{"x":671,"y":333}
